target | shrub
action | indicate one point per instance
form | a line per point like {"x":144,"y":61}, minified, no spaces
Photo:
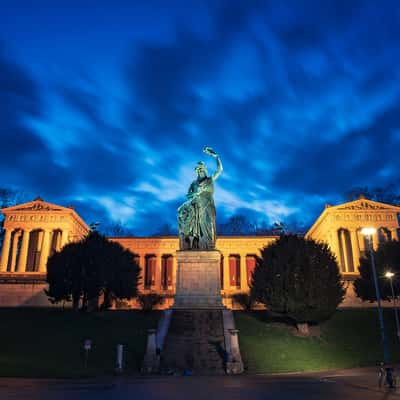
{"x":298,"y":278}
{"x":93,"y":267}
{"x":245,"y":300}
{"x":148,"y":301}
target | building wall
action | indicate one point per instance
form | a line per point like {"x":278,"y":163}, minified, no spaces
{"x":54,"y":226}
{"x":23,"y":295}
{"x":340,"y":226}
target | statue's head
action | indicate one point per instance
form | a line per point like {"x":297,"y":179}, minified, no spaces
{"x":201,"y":169}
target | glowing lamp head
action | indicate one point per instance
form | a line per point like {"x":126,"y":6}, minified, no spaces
{"x":389,"y":274}
{"x":368,"y":231}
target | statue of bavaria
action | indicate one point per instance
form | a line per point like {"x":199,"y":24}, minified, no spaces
{"x":196,"y":217}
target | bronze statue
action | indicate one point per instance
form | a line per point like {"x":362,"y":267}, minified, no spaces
{"x":196,"y":217}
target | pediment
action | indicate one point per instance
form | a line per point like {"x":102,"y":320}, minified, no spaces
{"x":36,"y":205}
{"x":367,"y":205}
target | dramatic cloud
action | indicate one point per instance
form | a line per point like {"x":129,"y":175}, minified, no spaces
{"x":301,"y":101}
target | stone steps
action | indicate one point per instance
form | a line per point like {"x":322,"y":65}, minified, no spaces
{"x":195,"y":342}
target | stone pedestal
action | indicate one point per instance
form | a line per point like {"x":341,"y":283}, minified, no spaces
{"x":198,"y":279}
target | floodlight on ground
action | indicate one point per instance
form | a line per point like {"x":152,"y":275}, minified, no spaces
{"x":389,"y":274}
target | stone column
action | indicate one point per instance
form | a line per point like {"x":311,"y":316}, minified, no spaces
{"x":14,"y":250}
{"x":243,"y":273}
{"x":395,"y":236}
{"x":44,"y":251}
{"x":174,"y":273}
{"x":355,"y":249}
{"x":5,"y":251}
{"x":157,"y":283}
{"x":227,"y":281}
{"x":334,"y":244}
{"x":348,"y":252}
{"x":375,"y":240}
{"x":57,"y":241}
{"x":23,"y":253}
{"x":343,"y":250}
{"x":142,"y":264}
{"x":64,"y":237}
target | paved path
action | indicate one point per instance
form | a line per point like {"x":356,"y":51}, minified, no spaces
{"x":351,"y":384}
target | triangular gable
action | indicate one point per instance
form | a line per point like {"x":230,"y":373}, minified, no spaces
{"x":361,"y":204}
{"x":365,"y":204}
{"x":36,"y":205}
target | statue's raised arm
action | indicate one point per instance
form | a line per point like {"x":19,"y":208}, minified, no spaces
{"x":212,"y":153}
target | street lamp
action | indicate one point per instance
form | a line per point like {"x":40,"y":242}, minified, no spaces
{"x":390,"y":275}
{"x":368,"y":232}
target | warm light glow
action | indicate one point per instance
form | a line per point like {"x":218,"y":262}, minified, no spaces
{"x":368,"y":231}
{"x":389,"y":274}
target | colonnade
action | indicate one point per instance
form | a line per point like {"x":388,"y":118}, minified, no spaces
{"x":27,"y":250}
{"x":351,"y":245}
{"x":234,"y":278}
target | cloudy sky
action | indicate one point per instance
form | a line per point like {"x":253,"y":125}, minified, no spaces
{"x":108,"y":104}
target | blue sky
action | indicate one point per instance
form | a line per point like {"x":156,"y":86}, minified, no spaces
{"x":108,"y":105}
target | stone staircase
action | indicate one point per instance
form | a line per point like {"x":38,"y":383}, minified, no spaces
{"x":195,"y":343}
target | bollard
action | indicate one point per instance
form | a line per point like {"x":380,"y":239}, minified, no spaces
{"x":120,"y":352}
{"x":151,"y":362}
{"x":234,"y":344}
{"x":234,"y":364}
{"x":87,"y":346}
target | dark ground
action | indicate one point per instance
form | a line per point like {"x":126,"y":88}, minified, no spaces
{"x":357,"y":384}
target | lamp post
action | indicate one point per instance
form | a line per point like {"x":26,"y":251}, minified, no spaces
{"x":390,"y":275}
{"x":368,"y":232}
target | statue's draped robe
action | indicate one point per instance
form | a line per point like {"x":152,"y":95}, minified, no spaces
{"x":196,"y":217}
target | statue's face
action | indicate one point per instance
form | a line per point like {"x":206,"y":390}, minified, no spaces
{"x":201,"y":172}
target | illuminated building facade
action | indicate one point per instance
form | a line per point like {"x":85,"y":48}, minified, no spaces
{"x":34,"y":230}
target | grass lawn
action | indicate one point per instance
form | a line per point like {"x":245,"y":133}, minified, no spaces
{"x":349,"y":339}
{"x":49,"y":342}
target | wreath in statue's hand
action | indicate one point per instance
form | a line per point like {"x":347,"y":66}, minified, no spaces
{"x":210,"y":151}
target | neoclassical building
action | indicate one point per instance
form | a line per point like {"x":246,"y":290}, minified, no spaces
{"x":34,"y":230}
{"x":340,"y":226}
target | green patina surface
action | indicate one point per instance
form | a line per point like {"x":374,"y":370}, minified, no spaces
{"x":196,"y":217}
{"x":49,"y":342}
{"x":349,"y":339}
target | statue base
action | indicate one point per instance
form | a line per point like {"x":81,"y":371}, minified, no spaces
{"x":198,"y":280}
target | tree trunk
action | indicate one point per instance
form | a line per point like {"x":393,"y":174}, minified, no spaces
{"x":84,"y":302}
{"x":93,"y":304}
{"x":107,"y":300}
{"x":303,"y":328}
{"x":75,"y":302}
